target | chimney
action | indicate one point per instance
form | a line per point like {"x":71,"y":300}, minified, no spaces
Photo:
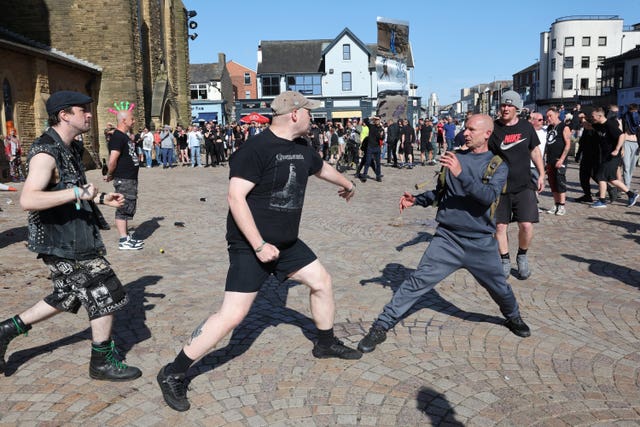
{"x":222,"y":58}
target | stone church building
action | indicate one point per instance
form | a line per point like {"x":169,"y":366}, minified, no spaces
{"x":112,"y":50}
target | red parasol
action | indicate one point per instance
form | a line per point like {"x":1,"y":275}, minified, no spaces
{"x":254,"y":117}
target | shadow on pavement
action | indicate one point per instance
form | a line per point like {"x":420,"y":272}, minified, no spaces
{"x":147,"y":228}
{"x":268,"y":309}
{"x":436,"y":406}
{"x":13,"y":235}
{"x":394,"y":274}
{"x":129,"y":327}
{"x":607,"y":269}
{"x":421,"y":237}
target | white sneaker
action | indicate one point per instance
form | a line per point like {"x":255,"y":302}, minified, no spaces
{"x":553,"y":210}
{"x":129,"y":245}
{"x":561,"y":210}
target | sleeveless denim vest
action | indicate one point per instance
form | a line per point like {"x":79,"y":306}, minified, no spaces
{"x":64,"y":231}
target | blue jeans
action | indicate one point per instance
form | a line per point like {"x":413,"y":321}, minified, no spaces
{"x":157,"y":147}
{"x":372,"y":154}
{"x":147,"y":157}
{"x":195,"y":156}
{"x":167,"y":157}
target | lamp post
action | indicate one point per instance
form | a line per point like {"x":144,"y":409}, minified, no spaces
{"x":562,"y":75}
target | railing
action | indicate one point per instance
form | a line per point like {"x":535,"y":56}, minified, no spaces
{"x":587,"y":18}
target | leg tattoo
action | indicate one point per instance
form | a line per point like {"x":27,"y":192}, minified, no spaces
{"x":197,"y":332}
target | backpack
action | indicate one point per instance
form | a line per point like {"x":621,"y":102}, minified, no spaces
{"x":491,"y":169}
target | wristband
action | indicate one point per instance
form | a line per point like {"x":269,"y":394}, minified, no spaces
{"x":76,"y":191}
{"x":259,"y":248}
{"x":353,"y":187}
{"x":102,"y":198}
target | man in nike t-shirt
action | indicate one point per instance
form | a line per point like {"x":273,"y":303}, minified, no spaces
{"x":516,"y":141}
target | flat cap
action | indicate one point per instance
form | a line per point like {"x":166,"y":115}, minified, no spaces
{"x":65,"y":99}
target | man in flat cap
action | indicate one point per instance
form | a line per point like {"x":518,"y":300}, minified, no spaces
{"x":64,"y":231}
{"x":268,"y":179}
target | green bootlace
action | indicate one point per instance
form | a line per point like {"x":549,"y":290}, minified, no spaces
{"x":109,"y":357}
{"x":20,"y":330}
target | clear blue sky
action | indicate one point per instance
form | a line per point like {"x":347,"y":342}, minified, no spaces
{"x":469,"y":43}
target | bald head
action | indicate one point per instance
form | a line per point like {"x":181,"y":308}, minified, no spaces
{"x":124,"y":120}
{"x":478,"y":129}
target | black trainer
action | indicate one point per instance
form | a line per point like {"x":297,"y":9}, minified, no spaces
{"x":375,"y":336}
{"x":9,"y":329}
{"x":174,"y":390}
{"x":518,"y":327}
{"x":104,"y":365}
{"x":336,"y":349}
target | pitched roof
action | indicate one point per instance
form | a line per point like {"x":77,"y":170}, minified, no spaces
{"x":291,"y":56}
{"x":202,"y":73}
{"x":306,"y":56}
{"x":14,"y":40}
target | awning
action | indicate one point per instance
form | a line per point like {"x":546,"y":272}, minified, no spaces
{"x":346,"y":114}
{"x":208,"y":116}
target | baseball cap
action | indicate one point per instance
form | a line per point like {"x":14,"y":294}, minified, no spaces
{"x":290,"y":100}
{"x":511,"y":97}
{"x":65,"y":99}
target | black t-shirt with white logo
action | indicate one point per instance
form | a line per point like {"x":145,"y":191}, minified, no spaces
{"x":608,"y":132}
{"x":128,"y":162}
{"x":555,"y":143}
{"x":280,"y":169}
{"x":514,"y":145}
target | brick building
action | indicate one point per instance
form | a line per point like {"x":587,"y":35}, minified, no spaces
{"x":243,"y":80}
{"x":136,"y":50}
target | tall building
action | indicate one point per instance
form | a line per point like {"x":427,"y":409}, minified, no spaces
{"x":572,"y":51}
{"x":134,"y":51}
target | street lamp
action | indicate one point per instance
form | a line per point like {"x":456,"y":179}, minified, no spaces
{"x":562,"y":75}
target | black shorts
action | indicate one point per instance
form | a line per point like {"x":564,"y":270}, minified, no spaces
{"x":608,"y":170}
{"x":247,"y":274}
{"x":129,"y":189}
{"x":90,"y":283}
{"x":557,"y":179}
{"x":425,"y":146}
{"x":517,"y":207}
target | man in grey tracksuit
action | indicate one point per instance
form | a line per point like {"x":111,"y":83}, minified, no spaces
{"x":464,"y":237}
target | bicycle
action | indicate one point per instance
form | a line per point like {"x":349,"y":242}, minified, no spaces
{"x":349,"y":160}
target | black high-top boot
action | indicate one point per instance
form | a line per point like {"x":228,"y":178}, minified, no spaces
{"x":104,"y":365}
{"x":9,"y":329}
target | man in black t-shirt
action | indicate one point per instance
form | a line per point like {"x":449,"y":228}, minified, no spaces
{"x":268,"y":180}
{"x":611,"y":141}
{"x":557,"y":148}
{"x":516,"y":141}
{"x":123,"y":166}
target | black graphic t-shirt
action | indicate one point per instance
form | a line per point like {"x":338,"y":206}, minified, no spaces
{"x":608,"y":132}
{"x":514,"y":145}
{"x":128,"y":162}
{"x":555,"y":144}
{"x":280,"y":169}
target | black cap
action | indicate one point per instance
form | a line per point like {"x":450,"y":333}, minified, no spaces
{"x":65,"y":99}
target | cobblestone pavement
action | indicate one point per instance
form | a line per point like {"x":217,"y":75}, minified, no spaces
{"x":449,"y":362}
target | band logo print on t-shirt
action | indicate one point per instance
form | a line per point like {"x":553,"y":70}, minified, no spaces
{"x":291,"y":195}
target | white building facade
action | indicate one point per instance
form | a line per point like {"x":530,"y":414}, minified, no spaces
{"x":572,"y":50}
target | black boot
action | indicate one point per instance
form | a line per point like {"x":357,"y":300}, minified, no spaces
{"x":104,"y":365}
{"x":9,"y":329}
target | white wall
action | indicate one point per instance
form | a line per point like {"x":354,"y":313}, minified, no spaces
{"x":358,"y":65}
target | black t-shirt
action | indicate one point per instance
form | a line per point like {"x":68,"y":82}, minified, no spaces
{"x":555,"y":143}
{"x":280,"y":169}
{"x":128,"y":162}
{"x":609,"y":132}
{"x":425,"y":133}
{"x":514,"y":145}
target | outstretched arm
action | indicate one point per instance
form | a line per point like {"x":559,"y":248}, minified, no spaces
{"x":329,"y":174}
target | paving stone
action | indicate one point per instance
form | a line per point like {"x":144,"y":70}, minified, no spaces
{"x":448,"y":362}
